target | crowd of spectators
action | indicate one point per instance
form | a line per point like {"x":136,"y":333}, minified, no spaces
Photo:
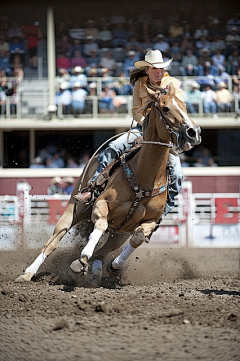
{"x":108,"y":46}
{"x":208,"y":50}
{"x":53,"y":157}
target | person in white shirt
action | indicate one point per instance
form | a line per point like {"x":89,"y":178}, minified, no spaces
{"x":78,"y":98}
{"x":209,"y":100}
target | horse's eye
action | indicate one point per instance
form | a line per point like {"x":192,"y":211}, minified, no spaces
{"x":165,"y":109}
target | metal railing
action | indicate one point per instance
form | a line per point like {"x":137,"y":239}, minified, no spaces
{"x":33,"y":101}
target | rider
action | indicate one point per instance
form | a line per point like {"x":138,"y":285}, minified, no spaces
{"x":148,"y":76}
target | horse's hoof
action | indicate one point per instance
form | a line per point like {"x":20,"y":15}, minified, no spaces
{"x":76,"y":266}
{"x":113,"y":271}
{"x":24,"y":278}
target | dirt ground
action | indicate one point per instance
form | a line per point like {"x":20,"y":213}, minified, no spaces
{"x":169,"y":304}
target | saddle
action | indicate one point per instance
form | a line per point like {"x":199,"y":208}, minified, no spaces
{"x":95,"y":188}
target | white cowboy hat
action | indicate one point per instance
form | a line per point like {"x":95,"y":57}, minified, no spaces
{"x":153,"y":58}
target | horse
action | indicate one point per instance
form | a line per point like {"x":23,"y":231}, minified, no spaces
{"x":134,"y":197}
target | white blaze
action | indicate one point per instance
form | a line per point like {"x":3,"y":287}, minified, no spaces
{"x":185,"y":116}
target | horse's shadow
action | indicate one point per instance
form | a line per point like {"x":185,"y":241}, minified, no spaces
{"x":220,"y":292}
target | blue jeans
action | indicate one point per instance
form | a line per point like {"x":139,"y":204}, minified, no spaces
{"x":117,"y":147}
{"x":210,"y":107}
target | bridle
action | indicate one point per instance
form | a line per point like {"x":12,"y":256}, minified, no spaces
{"x":176,"y":148}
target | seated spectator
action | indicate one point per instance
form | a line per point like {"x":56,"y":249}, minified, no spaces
{"x":212,"y":163}
{"x":223,"y":98}
{"x":186,"y":44}
{"x":64,"y":46}
{"x":233,"y":62}
{"x":202,"y":43}
{"x":76,"y":32}
{"x":55,"y":186}
{"x":62,"y":61}
{"x":37,"y":163}
{"x":69,"y":185}
{"x":161,"y":44}
{"x":106,"y":100}
{"x":4,"y":45}
{"x":202,"y":155}
{"x":187,"y":31}
{"x":218,"y":58}
{"x":218,"y":43}
{"x":209,"y":100}
{"x":134,"y":45}
{"x":17,"y":48}
{"x":119,"y":35}
{"x":2,"y":101}
{"x":63,"y":98}
{"x":132,"y":30}
{"x":183,"y":160}
{"x":122,"y":86}
{"x":92,"y":61}
{"x":14,"y":31}
{"x":234,"y":22}
{"x":83,"y":160}
{"x":89,"y":46}
{"x":215,"y":30}
{"x":105,"y":36}
{"x":78,"y":60}
{"x":232,"y":39}
{"x":175,"y":51}
{"x":32,"y":35}
{"x":147,"y":44}
{"x":189,"y":64}
{"x":76,"y":45}
{"x":78,"y":76}
{"x":62,"y":77}
{"x":4,"y":62}
{"x":199,"y":163}
{"x":78,"y":98}
{"x":223,"y":76}
{"x":56,"y":161}
{"x":193,"y":98}
{"x":205,"y":63}
{"x":107,"y":61}
{"x":128,"y":62}
{"x":107,"y":79}
{"x":202,"y":30}
{"x":91,"y":30}
{"x":175,"y":30}
{"x":71,"y":163}
{"x":145,"y":33}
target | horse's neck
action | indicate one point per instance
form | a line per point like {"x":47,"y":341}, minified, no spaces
{"x":153,"y":158}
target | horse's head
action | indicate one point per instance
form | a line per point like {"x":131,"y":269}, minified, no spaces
{"x":185,"y":132}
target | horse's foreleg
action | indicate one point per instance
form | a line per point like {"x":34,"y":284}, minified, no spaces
{"x":99,"y":218}
{"x":136,"y":240}
{"x":63,"y":226}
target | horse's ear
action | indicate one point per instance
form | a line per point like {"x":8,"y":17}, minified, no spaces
{"x":171,"y":89}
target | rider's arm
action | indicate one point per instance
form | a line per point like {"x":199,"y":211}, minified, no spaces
{"x":137,"y":104}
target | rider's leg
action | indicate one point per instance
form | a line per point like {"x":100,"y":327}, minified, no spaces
{"x":116,"y":148}
{"x":176,"y":176}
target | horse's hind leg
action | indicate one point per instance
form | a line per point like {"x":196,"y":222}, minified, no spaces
{"x":138,"y":237}
{"x":65,"y":223}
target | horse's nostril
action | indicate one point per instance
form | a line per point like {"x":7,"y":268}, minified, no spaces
{"x":191,"y":133}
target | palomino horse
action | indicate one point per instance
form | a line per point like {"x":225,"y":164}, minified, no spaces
{"x":134,"y":198}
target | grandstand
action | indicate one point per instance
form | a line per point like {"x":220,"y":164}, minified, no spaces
{"x":27,"y":126}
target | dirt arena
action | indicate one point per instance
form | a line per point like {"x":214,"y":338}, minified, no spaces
{"x":169,"y":304}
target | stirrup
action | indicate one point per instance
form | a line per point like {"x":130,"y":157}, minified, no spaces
{"x":85,"y":196}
